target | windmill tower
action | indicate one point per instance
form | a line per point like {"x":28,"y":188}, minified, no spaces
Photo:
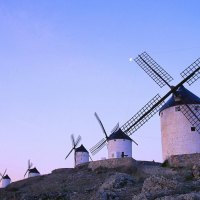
{"x":118,"y":143}
{"x":180,"y":130}
{"x":5,"y":179}
{"x":81,"y":155}
{"x":32,"y":172}
{"x":179,"y":136}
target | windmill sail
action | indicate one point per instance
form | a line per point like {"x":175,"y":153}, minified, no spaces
{"x":192,"y":113}
{"x":101,"y":124}
{"x":141,"y":117}
{"x":194,"y":67}
{"x":96,"y":148}
{"x":74,"y":144}
{"x":2,"y":175}
{"x":155,"y":71}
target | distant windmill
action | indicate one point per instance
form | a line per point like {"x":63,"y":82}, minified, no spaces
{"x":81,"y":155}
{"x":119,"y":144}
{"x":31,"y":171}
{"x":5,"y":179}
{"x":175,"y":131}
{"x":74,"y":145}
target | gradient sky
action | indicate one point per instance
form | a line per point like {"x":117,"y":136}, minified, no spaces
{"x":60,"y":61}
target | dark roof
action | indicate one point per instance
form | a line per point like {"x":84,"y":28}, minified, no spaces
{"x":6,"y":177}
{"x":187,"y":96}
{"x":34,"y":170}
{"x":119,"y":134}
{"x":81,"y":149}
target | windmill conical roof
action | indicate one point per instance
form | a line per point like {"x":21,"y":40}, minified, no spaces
{"x":81,"y":149}
{"x":6,"y":177}
{"x":34,"y":170}
{"x":119,"y":134}
{"x":186,"y":96}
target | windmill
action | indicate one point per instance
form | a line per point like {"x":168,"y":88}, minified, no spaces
{"x":74,"y":145}
{"x":5,"y":179}
{"x":29,"y":167}
{"x":179,"y":97}
{"x":119,"y":144}
{"x":31,"y":171}
{"x":81,"y":155}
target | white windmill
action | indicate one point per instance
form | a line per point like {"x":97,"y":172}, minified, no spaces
{"x":180,"y":115}
{"x":81,"y":155}
{"x":5,"y":179}
{"x":118,"y":143}
{"x":32,"y":172}
{"x":179,"y":136}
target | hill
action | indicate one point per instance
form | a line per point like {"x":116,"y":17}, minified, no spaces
{"x":118,"y":179}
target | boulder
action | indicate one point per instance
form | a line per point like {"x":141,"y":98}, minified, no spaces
{"x":156,"y":186}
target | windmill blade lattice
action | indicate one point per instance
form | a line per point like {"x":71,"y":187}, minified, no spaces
{"x":78,"y":140}
{"x":192,"y":113}
{"x":73,"y":140}
{"x":101,"y":124}
{"x":26,"y":172}
{"x":74,"y":145}
{"x":2,"y":175}
{"x":96,"y":148}
{"x":29,"y":167}
{"x":155,"y":71}
{"x":29,"y":164}
{"x":141,"y":117}
{"x":69,"y":153}
{"x":90,"y":157}
{"x":115,"y":128}
{"x":194,"y":67}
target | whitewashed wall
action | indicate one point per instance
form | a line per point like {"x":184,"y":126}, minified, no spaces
{"x":82,"y":157}
{"x":116,"y":147}
{"x":177,"y":137}
{"x":33,"y":174}
{"x":5,"y":182}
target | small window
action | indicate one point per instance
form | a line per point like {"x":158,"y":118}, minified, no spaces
{"x":114,"y":139}
{"x":193,"y":128}
{"x":112,"y":155}
{"x":177,"y":108}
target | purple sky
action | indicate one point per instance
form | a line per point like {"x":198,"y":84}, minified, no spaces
{"x":60,"y":61}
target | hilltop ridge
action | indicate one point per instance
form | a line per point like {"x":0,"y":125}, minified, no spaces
{"x":118,"y":179}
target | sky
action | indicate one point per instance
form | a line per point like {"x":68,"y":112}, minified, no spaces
{"x":61,"y":61}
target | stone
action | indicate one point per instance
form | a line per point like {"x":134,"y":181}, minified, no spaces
{"x":196,"y":171}
{"x":184,"y":160}
{"x":156,"y":186}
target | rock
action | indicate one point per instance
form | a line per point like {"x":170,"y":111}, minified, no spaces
{"x":185,"y":160}
{"x":113,"y":184}
{"x":196,"y":171}
{"x":117,"y":181}
{"x":124,"y":163}
{"x":139,"y":197}
{"x":108,"y":195}
{"x":155,"y":186}
{"x":190,"y":196}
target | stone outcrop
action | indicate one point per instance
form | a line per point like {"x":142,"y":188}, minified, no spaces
{"x":185,"y":160}
{"x":123,"y":163}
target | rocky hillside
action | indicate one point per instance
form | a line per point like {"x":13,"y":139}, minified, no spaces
{"x":118,"y":179}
